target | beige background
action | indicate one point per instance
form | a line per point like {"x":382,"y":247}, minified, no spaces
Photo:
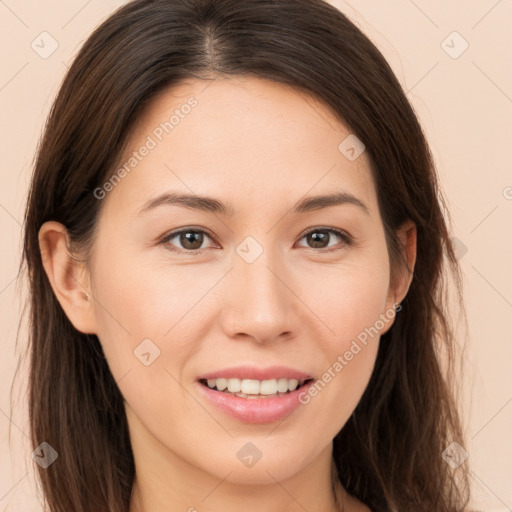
{"x":465,"y":106}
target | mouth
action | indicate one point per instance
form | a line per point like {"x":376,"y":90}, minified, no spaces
{"x":253,"y":394}
{"x":255,"y":389}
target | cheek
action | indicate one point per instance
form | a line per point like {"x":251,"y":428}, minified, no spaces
{"x":150,"y":297}
{"x":352,"y":308}
{"x":350,"y":300}
{"x":138,"y":310}
{"x":135,"y":308}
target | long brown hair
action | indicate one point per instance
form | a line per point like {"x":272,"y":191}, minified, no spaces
{"x":390,"y":452}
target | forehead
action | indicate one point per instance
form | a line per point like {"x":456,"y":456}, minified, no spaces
{"x":239,"y":137}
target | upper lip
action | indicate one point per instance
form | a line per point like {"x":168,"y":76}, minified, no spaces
{"x":252,"y":372}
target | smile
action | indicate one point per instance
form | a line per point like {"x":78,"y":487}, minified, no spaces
{"x":254,"y":389}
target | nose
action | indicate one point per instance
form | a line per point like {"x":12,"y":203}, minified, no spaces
{"x":259,"y":303}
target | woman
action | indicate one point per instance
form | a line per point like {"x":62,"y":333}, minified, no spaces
{"x":235,"y":242}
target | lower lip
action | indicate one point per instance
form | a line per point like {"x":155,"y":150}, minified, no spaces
{"x":256,"y":410}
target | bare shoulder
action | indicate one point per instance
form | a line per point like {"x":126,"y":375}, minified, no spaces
{"x":354,"y":505}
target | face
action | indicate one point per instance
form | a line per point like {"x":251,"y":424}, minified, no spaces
{"x":263,"y":278}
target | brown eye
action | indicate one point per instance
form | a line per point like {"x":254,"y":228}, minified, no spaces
{"x":190,"y":240}
{"x":319,"y":238}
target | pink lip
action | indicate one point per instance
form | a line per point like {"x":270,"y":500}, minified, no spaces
{"x":257,"y":410}
{"x":251,"y":372}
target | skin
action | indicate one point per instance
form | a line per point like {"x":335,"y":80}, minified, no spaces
{"x":260,"y":146}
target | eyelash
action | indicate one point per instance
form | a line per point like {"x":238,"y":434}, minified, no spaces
{"x":347,"y":239}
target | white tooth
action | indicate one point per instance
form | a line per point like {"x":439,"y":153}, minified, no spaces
{"x":282,"y":385}
{"x":221,"y":384}
{"x":241,"y":395}
{"x":292,"y":384}
{"x":234,"y":385}
{"x":269,"y":387}
{"x":250,"y":386}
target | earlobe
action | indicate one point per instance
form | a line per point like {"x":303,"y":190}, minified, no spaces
{"x":68,"y":276}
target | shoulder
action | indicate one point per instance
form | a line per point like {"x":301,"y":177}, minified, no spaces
{"x":354,"y":505}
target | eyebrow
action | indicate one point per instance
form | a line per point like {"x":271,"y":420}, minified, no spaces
{"x":212,"y":205}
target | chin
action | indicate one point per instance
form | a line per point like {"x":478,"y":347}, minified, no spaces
{"x":257,"y":463}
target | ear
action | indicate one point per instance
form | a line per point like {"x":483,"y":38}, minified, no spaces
{"x":68,"y":276}
{"x":399,"y":286}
